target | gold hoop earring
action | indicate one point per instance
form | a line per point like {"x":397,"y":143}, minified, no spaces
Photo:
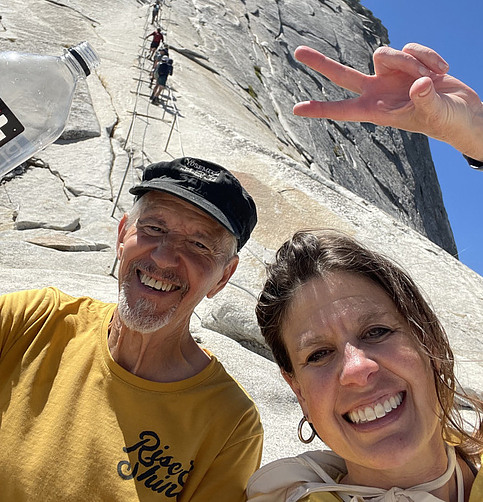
{"x":299,"y":431}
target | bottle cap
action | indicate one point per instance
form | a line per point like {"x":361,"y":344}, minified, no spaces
{"x":86,"y":56}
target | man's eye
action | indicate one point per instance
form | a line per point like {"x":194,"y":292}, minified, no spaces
{"x":153,"y":230}
{"x":199,"y":245}
{"x":377,"y":333}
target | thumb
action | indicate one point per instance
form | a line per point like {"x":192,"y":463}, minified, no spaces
{"x":423,"y":95}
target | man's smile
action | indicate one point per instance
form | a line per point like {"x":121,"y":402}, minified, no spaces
{"x":156,"y":284}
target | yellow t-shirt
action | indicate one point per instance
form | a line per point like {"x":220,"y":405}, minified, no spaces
{"x":476,"y":494}
{"x":76,"y":426}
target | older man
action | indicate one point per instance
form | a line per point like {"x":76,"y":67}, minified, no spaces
{"x":118,"y":402}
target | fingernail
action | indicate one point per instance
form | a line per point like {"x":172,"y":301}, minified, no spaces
{"x":443,"y":65}
{"x":426,"y":91}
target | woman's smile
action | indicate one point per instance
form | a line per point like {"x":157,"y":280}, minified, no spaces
{"x":375,"y":411}
{"x":357,"y":373}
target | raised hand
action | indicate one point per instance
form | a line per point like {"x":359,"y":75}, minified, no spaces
{"x":410,"y":90}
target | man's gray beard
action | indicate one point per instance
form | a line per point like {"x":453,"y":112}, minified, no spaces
{"x":142,"y":317}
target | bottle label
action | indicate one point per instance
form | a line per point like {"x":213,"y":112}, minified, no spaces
{"x":10,"y":126}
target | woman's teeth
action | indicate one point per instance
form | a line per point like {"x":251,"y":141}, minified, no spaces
{"x":379,"y":410}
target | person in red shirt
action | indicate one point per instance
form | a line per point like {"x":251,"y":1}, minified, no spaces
{"x":157,"y":39}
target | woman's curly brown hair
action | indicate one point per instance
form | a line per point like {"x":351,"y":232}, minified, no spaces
{"x":310,"y":254}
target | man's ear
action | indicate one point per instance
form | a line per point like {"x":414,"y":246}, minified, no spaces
{"x":228,"y":271}
{"x":297,"y":390}
{"x":121,"y":232}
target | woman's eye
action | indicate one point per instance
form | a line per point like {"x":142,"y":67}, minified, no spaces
{"x":377,"y":333}
{"x":318,"y":356}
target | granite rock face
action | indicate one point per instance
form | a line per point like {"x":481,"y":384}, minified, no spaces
{"x":229,"y":101}
{"x":251,"y":44}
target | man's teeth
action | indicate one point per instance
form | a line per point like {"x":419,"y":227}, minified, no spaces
{"x":153,"y":283}
{"x":379,"y":410}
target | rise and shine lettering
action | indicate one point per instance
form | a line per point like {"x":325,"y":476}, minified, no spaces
{"x":154,"y":466}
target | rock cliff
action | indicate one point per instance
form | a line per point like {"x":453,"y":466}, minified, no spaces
{"x":251,"y":44}
{"x":229,"y":101}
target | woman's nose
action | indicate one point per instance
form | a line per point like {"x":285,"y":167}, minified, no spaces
{"x":357,"y":366}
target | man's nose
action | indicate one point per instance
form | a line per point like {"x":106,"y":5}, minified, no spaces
{"x":166,"y":252}
{"x":357,"y":366}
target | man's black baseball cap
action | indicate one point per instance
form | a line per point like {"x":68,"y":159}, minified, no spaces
{"x":208,"y":186}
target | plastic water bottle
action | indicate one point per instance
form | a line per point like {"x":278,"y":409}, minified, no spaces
{"x":36,"y":94}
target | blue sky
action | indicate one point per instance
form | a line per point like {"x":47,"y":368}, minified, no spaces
{"x":454,"y":30}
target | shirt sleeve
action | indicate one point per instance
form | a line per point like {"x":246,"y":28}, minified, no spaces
{"x":228,"y":476}
{"x":18,"y":313}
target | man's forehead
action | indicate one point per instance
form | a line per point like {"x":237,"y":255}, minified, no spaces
{"x":159,"y":203}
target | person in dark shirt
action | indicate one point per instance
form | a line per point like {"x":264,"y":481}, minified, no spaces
{"x":161,"y":73}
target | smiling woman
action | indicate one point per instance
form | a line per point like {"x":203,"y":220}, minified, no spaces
{"x":372,"y":369}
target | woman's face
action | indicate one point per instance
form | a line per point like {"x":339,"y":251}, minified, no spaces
{"x":359,"y":377}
